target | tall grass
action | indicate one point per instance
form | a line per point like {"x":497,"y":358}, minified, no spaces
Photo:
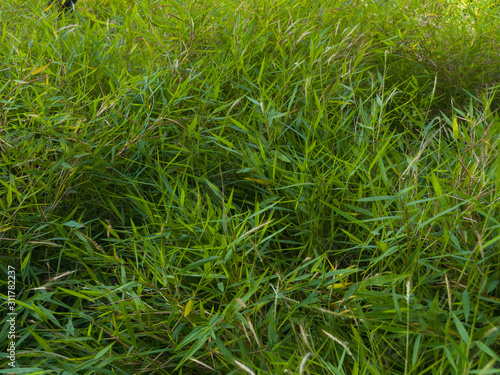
{"x":256,"y":187}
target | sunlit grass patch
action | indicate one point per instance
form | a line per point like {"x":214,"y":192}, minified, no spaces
{"x":252,"y":187}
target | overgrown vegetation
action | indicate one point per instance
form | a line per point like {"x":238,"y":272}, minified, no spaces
{"x":251,"y":187}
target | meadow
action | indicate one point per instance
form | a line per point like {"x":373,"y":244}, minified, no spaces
{"x":250,"y":187}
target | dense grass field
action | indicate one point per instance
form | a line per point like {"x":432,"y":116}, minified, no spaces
{"x":250,"y":187}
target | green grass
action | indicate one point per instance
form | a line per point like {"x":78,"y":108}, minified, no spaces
{"x":256,"y":187}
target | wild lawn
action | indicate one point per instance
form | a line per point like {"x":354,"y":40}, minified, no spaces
{"x":251,"y":187}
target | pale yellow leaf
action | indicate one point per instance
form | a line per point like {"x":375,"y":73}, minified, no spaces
{"x":36,"y":71}
{"x":189,"y":307}
{"x":455,"y":127}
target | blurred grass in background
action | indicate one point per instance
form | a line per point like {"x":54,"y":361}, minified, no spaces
{"x":252,"y":187}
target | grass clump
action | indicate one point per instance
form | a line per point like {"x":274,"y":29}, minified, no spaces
{"x":252,"y":187}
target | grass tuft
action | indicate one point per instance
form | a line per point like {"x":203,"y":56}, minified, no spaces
{"x":251,"y":187}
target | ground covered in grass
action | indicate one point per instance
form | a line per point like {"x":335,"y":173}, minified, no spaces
{"x":251,"y":187}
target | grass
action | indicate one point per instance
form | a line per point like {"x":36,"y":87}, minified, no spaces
{"x":251,"y":187}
